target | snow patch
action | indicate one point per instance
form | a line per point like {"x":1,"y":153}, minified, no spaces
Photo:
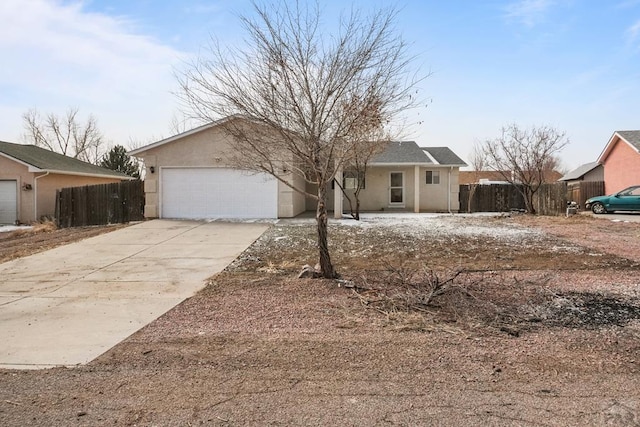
{"x":8,"y":228}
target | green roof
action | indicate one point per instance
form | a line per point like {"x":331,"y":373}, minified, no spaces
{"x":48,"y":161}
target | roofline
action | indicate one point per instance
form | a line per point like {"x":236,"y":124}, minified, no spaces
{"x":181,"y":135}
{"x":450,"y":165}
{"x":607,"y":149}
{"x":401,"y":164}
{"x":595,"y":165}
{"x":436,"y":162}
{"x":95,"y":175}
{"x":31,"y":167}
{"x":433,"y":159}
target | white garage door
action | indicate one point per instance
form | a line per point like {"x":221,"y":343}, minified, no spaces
{"x":8,"y":202}
{"x":198,"y":193}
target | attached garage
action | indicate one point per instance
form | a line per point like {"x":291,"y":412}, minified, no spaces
{"x":8,"y":202}
{"x":202,"y":192}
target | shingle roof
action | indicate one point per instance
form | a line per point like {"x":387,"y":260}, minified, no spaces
{"x":402,"y":152}
{"x":444,"y":156}
{"x":408,"y":152}
{"x":48,"y":161}
{"x":631,"y":136}
{"x":580,"y":171}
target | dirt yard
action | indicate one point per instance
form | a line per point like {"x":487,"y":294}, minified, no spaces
{"x":436,"y":321}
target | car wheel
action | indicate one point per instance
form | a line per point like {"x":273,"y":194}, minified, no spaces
{"x":598,"y":208}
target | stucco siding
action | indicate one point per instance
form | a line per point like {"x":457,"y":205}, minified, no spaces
{"x":209,"y":148}
{"x":298,"y":202}
{"x":375,"y":196}
{"x":440,"y":197}
{"x":621,"y":168}
{"x":290,"y":201}
{"x":48,"y":184}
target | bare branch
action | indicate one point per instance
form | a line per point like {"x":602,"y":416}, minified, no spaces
{"x":65,"y":136}
{"x":316,"y":100}
{"x":524,"y":157}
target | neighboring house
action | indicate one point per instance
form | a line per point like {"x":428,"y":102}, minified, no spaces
{"x":187,"y":176}
{"x":621,"y":161}
{"x":30,"y":176}
{"x":588,"y":172}
{"x":496,"y":177}
{"x":481,"y":177}
{"x":584,"y":182}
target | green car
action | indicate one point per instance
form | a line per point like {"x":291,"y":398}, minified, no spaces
{"x":625,"y":200}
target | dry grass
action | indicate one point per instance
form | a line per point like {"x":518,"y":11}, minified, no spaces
{"x":45,"y":226}
{"x":543,"y":335}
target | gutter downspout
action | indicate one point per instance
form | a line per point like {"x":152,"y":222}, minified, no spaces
{"x":35,"y":194}
{"x":449,"y":192}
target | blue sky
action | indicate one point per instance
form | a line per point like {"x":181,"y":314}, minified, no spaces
{"x":571,"y":64}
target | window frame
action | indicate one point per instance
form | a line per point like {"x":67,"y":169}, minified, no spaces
{"x":435,"y":176}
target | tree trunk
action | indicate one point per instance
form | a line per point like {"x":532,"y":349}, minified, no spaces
{"x":326,"y":267}
{"x":528,"y":201}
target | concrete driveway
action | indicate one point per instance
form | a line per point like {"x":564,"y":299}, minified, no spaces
{"x":68,"y":305}
{"x":618,"y":216}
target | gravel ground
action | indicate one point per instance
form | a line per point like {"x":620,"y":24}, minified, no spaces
{"x":536,"y":324}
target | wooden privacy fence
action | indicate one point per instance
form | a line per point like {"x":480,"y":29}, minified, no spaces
{"x":100,"y":204}
{"x":490,"y":198}
{"x":550,"y":199}
{"x":579,"y":192}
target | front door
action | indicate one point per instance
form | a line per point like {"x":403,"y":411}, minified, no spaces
{"x":396,"y":189}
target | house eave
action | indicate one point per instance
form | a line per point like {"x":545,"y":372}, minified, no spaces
{"x":607,"y":149}
{"x":401,"y":164}
{"x":423,"y":165}
{"x":93,"y":175}
{"x":30,"y":167}
{"x":173,"y":138}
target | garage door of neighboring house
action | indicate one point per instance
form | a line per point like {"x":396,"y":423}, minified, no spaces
{"x":199,"y":193}
{"x":8,"y":202}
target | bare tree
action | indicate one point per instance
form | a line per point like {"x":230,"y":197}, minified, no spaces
{"x":65,"y":135}
{"x":307,"y":93}
{"x":477,"y":162}
{"x":371,"y":138}
{"x":524,"y":157}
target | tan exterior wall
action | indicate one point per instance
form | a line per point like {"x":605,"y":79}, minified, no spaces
{"x":375,"y":195}
{"x":621,"y":168}
{"x":42,"y":185}
{"x":440,"y":197}
{"x":298,"y":202}
{"x":208,"y":148}
{"x":48,"y":184}
{"x":433,"y":197}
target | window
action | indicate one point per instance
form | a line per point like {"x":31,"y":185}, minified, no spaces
{"x":350,"y":181}
{"x":433,"y":177}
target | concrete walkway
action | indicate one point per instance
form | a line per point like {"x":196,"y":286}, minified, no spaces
{"x":68,"y":305}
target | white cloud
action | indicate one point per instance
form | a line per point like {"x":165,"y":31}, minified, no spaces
{"x":57,"y":55}
{"x":528,"y":12}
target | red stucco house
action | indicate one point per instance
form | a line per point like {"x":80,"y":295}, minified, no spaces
{"x":621,"y":161}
